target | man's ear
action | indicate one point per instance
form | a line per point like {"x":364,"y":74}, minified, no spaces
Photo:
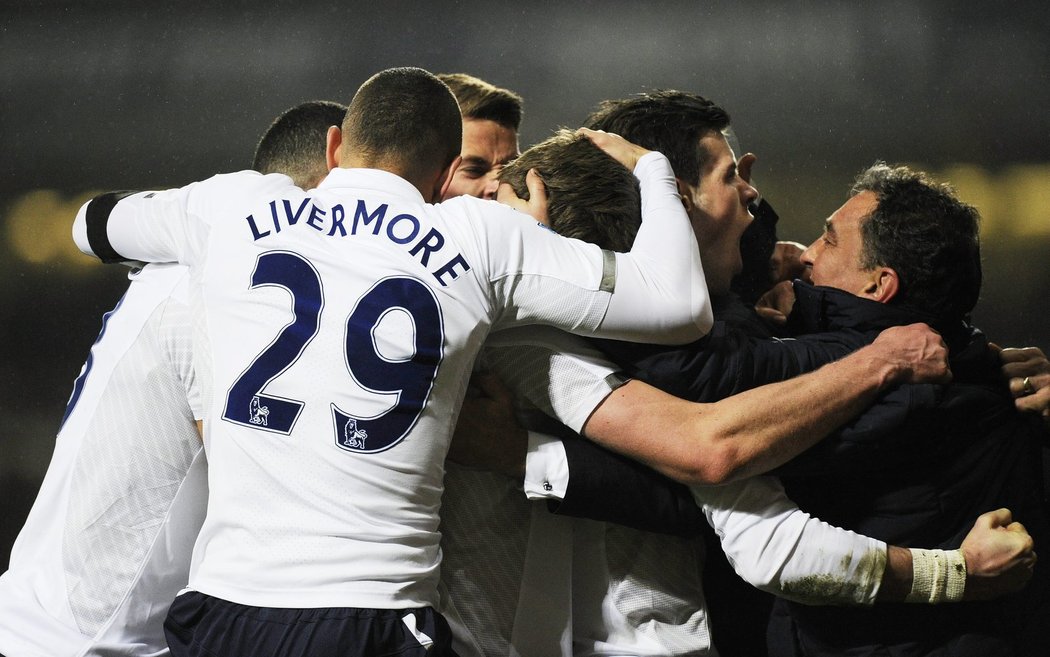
{"x":333,"y":144}
{"x":884,"y":285}
{"x":445,"y":179}
{"x":684,"y":193}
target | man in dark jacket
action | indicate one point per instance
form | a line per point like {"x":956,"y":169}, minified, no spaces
{"x":916,"y":467}
{"x":913,"y":474}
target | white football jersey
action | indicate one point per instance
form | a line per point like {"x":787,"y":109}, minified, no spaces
{"x":107,"y":543}
{"x":337,"y":330}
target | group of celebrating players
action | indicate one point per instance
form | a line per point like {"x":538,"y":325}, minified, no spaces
{"x":253,"y":459}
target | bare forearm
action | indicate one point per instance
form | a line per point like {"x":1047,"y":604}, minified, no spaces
{"x":896,"y":579}
{"x":743,"y":435}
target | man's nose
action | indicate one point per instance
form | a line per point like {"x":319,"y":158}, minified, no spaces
{"x":491,"y":185}
{"x":750,"y":194}
{"x":807,"y":256}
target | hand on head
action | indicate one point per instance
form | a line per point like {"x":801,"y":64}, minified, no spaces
{"x":615,"y":146}
{"x":536,"y":206}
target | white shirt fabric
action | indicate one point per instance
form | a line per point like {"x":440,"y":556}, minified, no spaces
{"x":107,"y":543}
{"x":639,"y":593}
{"x":331,"y":383}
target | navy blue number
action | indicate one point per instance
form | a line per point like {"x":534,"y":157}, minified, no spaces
{"x":409,"y":378}
{"x":246,"y":403}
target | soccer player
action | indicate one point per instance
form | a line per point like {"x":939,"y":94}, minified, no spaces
{"x":491,"y":118}
{"x":107,"y":543}
{"x":351,"y":315}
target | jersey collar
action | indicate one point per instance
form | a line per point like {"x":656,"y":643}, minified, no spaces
{"x":374,"y":180}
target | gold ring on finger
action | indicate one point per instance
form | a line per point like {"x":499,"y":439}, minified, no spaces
{"x":1026,"y":387}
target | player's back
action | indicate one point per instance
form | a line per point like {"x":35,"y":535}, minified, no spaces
{"x":107,"y":543}
{"x":342,"y":324}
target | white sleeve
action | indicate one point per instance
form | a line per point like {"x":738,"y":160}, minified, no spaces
{"x":777,"y":547}
{"x":662,"y":275}
{"x":560,"y":374}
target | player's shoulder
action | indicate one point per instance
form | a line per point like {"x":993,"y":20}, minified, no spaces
{"x":248,"y":181}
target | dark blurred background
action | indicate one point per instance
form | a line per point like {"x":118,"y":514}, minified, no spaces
{"x":121,"y":95}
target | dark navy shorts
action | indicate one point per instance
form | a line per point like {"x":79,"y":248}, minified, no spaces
{"x":200,"y":625}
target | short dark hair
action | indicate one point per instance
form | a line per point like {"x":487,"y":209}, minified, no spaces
{"x":922,"y":230}
{"x":294,"y":144}
{"x":669,"y":121}
{"x":484,"y":101}
{"x":406,"y":118}
{"x":590,"y":196}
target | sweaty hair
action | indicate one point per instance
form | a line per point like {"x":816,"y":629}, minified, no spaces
{"x":406,"y":119}
{"x":923,"y":231}
{"x":590,"y":196}
{"x":480,"y":100}
{"x":294,"y":144}
{"x":669,"y":121}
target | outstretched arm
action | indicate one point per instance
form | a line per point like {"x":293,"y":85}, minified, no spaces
{"x":760,"y":429}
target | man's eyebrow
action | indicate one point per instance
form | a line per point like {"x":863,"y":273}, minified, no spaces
{"x":475,"y":159}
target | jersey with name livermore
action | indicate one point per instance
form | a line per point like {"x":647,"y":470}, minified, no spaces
{"x":337,"y":331}
{"x":107,"y":543}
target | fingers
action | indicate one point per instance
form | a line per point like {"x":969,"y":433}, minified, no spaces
{"x":506,"y":195}
{"x":1021,"y":354}
{"x":786,"y":261}
{"x":1021,"y":386}
{"x":1037,"y":403}
{"x":1015,"y":527}
{"x":535,"y":206}
{"x":997,"y":518}
{"x":615,"y":146}
{"x":772,"y":316}
{"x":537,"y":190}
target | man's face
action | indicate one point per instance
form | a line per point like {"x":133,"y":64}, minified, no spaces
{"x":834,"y":258}
{"x":487,"y":146}
{"x":718,"y":211}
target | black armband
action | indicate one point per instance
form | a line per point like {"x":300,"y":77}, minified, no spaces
{"x":97,"y":218}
